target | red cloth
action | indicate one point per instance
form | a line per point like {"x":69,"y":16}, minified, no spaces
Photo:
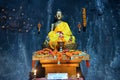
{"x":87,"y":63}
{"x":33,"y":63}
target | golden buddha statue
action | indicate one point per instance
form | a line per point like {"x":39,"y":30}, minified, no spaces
{"x":57,"y":29}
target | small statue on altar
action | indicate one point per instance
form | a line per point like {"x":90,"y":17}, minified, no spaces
{"x":59,"y":30}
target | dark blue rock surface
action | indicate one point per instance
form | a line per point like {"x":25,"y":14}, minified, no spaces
{"x":19,"y":37}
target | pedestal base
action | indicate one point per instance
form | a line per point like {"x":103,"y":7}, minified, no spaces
{"x":66,"y":65}
{"x":69,"y":67}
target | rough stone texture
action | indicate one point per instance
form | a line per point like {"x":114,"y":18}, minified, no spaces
{"x":101,"y":39}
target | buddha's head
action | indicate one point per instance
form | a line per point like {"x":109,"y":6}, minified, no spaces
{"x":59,"y":14}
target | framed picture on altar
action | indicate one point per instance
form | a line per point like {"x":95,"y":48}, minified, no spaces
{"x":57,"y":76}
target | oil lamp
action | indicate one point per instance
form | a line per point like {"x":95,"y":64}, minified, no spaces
{"x":79,"y":27}
{"x":39,"y":26}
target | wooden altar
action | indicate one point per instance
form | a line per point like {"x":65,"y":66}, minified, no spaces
{"x":69,"y":67}
{"x":66,"y":65}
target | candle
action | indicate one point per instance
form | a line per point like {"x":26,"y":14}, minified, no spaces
{"x":35,"y":72}
{"x":78,"y":75}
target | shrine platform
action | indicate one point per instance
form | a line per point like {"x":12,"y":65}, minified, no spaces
{"x":66,"y":65}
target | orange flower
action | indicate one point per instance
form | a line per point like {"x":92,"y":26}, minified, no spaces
{"x":77,"y":52}
{"x":69,"y":54}
{"x":54,"y":52}
{"x":59,"y":56}
{"x":39,"y":52}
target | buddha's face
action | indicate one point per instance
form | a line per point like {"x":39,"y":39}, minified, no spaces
{"x":59,"y":15}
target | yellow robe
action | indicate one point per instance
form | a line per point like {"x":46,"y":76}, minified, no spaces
{"x":64,"y":28}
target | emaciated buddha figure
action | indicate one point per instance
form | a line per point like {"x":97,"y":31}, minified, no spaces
{"x":60,"y":29}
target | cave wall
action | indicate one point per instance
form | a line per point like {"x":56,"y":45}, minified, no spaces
{"x":19,"y":37}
